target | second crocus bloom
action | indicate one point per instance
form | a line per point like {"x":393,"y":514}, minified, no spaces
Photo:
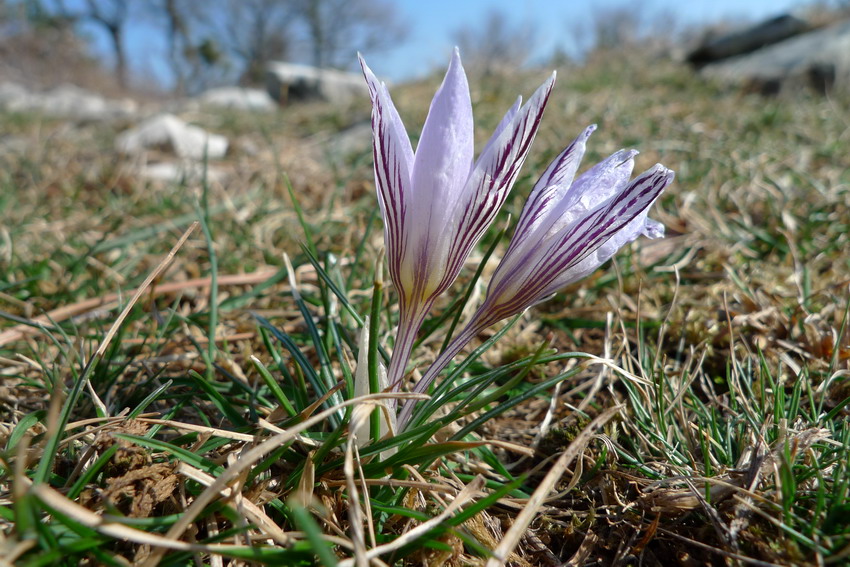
{"x":567,"y":229}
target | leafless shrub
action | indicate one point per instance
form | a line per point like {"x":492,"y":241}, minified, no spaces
{"x":43,"y":57}
{"x":218,"y":41}
{"x":616,"y":26}
{"x":499,"y":43}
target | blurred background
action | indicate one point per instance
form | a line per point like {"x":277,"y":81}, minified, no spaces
{"x":184,"y":46}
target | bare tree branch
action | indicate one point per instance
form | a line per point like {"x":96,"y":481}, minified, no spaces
{"x":498,"y":43}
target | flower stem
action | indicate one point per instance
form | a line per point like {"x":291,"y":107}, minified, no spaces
{"x":455,"y":346}
{"x":408,"y":326}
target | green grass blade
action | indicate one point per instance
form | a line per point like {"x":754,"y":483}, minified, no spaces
{"x":311,"y":529}
{"x":274,"y":387}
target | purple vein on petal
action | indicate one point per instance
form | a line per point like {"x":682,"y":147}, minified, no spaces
{"x":493,"y":176}
{"x":598,"y":226}
{"x":443,"y":156}
{"x":504,"y":123}
{"x":549,"y":189}
{"x":615,"y":214}
{"x":550,"y":267}
{"x":393,"y":157}
{"x":592,"y":188}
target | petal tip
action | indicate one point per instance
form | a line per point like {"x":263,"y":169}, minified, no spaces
{"x":455,"y":60}
{"x":660,"y":170}
{"x":653,"y":229}
{"x":370,"y":77}
{"x":624,"y":156}
{"x":455,"y":71}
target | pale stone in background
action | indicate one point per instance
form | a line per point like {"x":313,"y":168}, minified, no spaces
{"x":169,"y":132}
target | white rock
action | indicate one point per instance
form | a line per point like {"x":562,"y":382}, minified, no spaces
{"x":820,"y":58}
{"x":175,"y":172}
{"x":168,"y":131}
{"x":12,"y":94}
{"x":353,"y":140}
{"x":290,"y":81}
{"x":238,"y":98}
{"x":67,"y":101}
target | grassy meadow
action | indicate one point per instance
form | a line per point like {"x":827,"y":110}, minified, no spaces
{"x":686,"y":405}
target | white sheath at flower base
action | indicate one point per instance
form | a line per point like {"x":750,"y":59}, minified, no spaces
{"x":360,"y":426}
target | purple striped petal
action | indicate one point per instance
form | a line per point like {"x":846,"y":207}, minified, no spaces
{"x":603,"y":180}
{"x":592,"y":188}
{"x":394,"y":160}
{"x":492,"y":179}
{"x":443,"y":157}
{"x":505,"y":122}
{"x":549,"y":190}
{"x":639,"y":226}
{"x":571,"y":203}
{"x":630,"y":215}
{"x":522,"y":280}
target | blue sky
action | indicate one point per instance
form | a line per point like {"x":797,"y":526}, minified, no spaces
{"x":433,"y":23}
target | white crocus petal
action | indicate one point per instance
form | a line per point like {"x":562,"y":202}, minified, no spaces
{"x":521,"y":281}
{"x":379,"y":93}
{"x":570,"y":203}
{"x":605,"y":179}
{"x":493,"y":177}
{"x":639,"y":226}
{"x":562,"y":170}
{"x":442,"y":164}
{"x":592,"y":188}
{"x":443,"y":157}
{"x":653,"y":229}
{"x":507,"y":119}
{"x":547,"y":194}
{"x":393,"y":157}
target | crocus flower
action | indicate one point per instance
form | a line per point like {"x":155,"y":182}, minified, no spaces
{"x":436,"y":202}
{"x":566,"y":230}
